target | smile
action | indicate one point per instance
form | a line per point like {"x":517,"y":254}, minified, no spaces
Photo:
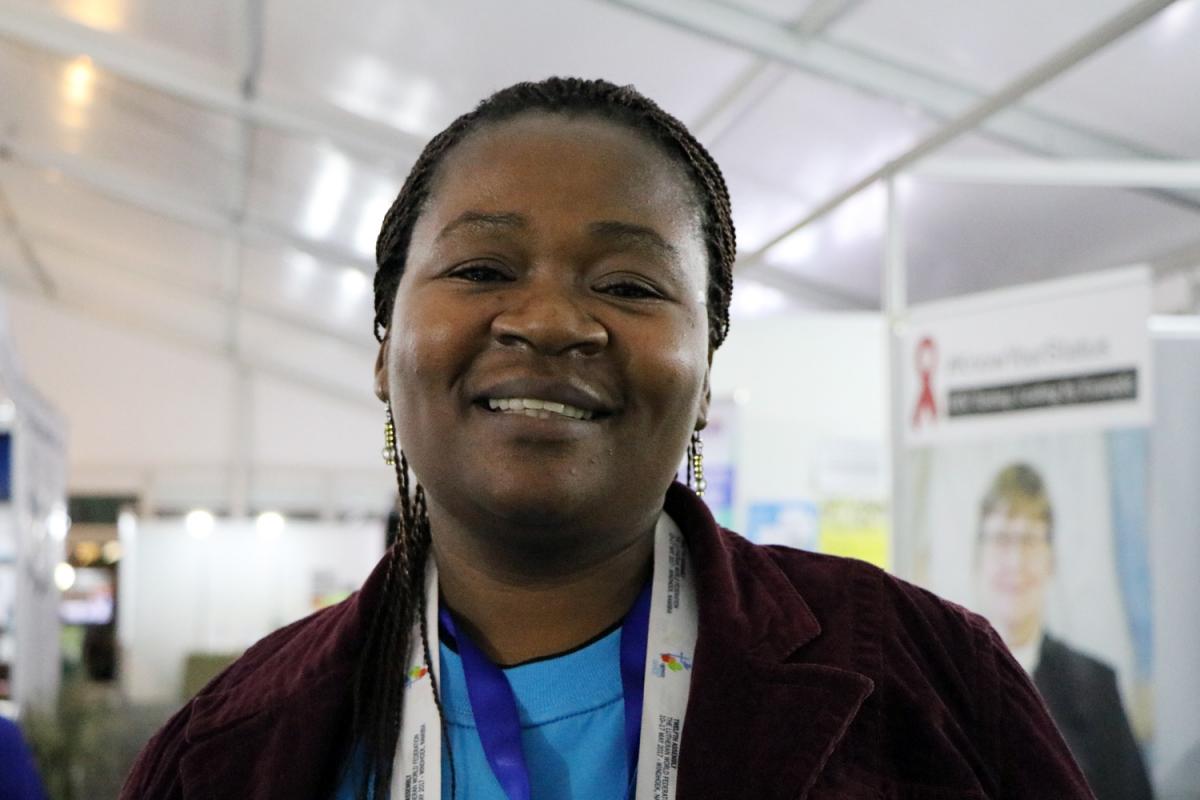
{"x":538,"y":409}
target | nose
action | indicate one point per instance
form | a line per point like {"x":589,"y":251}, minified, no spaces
{"x":549,"y":316}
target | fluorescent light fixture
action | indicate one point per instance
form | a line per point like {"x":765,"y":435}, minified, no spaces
{"x":199,"y":523}
{"x":328,"y":195}
{"x":353,"y":282}
{"x":755,"y":300}
{"x":795,"y":249}
{"x":371,"y":220}
{"x":860,"y":217}
{"x":1176,"y":18}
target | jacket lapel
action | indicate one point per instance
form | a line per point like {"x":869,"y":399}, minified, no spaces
{"x":760,"y":722}
{"x":293,"y":749}
{"x":765,"y":731}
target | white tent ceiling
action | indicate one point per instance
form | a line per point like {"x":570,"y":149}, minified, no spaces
{"x":212,"y":174}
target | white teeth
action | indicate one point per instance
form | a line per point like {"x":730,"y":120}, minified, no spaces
{"x":538,"y":409}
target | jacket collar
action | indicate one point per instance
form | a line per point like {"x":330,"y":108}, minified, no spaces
{"x":761,"y":722}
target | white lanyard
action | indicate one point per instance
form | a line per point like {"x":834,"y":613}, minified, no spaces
{"x":670,"y":646}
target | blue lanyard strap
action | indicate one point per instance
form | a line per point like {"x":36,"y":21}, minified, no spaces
{"x":495,"y":708}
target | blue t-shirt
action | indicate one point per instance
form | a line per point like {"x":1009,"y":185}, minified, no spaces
{"x":572,"y":712}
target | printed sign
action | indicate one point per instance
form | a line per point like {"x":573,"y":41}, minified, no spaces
{"x":1072,"y":353}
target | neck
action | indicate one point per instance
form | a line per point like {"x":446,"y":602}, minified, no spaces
{"x":517,"y":608}
{"x":1022,"y":633}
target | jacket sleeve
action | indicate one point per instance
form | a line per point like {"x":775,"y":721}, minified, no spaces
{"x":155,"y":773}
{"x":1028,"y":754}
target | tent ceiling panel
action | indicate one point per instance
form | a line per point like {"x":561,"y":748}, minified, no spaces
{"x":416,"y":65}
{"x":321,"y":194}
{"x":1002,"y":236}
{"x":835,"y":136}
{"x":174,"y":313}
{"x":206,"y":30}
{"x":14,"y":266}
{"x":284,"y":432}
{"x":348,"y":372}
{"x":983,"y":45}
{"x":329,"y":297}
{"x":131,"y":399}
{"x":79,"y":222}
{"x":1144,"y":88}
{"x":73,"y":106}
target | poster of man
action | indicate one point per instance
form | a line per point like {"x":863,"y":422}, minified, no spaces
{"x":1045,"y":537}
{"x":1014,"y":561}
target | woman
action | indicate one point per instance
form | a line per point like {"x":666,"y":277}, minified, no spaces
{"x":553,"y":281}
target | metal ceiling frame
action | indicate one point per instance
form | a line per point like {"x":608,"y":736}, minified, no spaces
{"x":977,"y":115}
{"x":935,"y":95}
{"x":1123,"y":174}
{"x":938,"y":96}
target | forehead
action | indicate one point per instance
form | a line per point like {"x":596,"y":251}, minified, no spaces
{"x":554,"y":159}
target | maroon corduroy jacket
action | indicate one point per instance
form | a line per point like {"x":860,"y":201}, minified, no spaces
{"x":815,"y":677}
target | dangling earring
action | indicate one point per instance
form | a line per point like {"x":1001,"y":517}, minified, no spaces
{"x":389,"y":439}
{"x":695,"y":456}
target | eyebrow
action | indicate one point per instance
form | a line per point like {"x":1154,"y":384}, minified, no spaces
{"x":484,"y":222}
{"x":631,"y":234}
{"x":627,"y":234}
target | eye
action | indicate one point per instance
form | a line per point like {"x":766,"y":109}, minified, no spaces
{"x":629,"y":289}
{"x":479,"y":272}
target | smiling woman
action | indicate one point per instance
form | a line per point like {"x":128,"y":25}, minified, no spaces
{"x":558,"y":619}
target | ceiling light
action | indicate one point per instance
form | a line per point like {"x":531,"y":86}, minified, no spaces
{"x":126,"y":525}
{"x":111,"y":550}
{"x":270,"y":524}
{"x":795,"y":249}
{"x":199,"y":523}
{"x":64,"y":576}
{"x":755,"y":300}
{"x":328,"y":195}
{"x":58,"y":523}
{"x":371,"y":220}
{"x":79,"y":78}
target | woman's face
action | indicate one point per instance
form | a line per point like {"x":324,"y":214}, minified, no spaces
{"x":559,"y":262}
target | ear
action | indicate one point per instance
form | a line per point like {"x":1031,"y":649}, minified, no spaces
{"x":706,"y":398}
{"x":381,"y":371}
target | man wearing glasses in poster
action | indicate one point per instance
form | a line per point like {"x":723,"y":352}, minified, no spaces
{"x":1015,"y":560}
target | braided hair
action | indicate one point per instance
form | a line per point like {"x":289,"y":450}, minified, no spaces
{"x":379,"y":680}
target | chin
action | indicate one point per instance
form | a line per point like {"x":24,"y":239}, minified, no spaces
{"x":536,"y":504}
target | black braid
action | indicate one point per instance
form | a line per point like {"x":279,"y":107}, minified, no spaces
{"x":379,"y":685}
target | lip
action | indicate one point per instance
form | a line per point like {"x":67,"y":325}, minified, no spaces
{"x":559,"y":390}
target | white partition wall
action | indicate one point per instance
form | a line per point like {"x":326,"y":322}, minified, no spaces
{"x":1175,"y":556}
{"x":33,"y":527}
{"x":221,"y":593}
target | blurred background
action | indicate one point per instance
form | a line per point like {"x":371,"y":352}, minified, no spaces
{"x":189,"y":199}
